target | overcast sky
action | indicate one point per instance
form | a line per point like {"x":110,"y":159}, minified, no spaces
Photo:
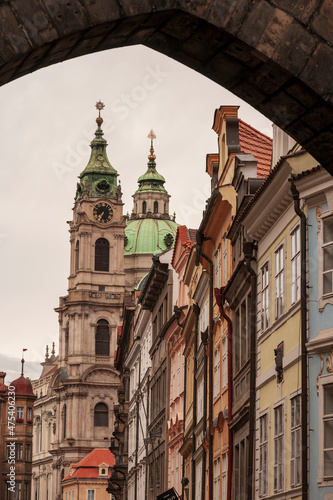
{"x":47,"y":123}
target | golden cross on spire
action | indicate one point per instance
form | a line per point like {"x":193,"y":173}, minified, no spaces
{"x":100,"y":105}
{"x":151,"y":136}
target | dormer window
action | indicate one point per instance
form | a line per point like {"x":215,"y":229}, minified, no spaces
{"x":103,"y":470}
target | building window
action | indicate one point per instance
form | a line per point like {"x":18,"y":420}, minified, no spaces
{"x":217,"y":266}
{"x":77,"y":254}
{"x":327,"y":438}
{"x":295,"y":455}
{"x":64,"y":421}
{"x":203,"y":320}
{"x":224,"y":476}
{"x":29,"y":414}
{"x":242,"y":330}
{"x":217,"y":362}
{"x":178,"y":374}
{"x":279,"y":282}
{"x":225,"y":259}
{"x":90,"y":494}
{"x":264,"y":297}
{"x":278,"y":448}
{"x":263,"y":455}
{"x":295,"y":256}
{"x":328,"y":256}
{"x":28,"y":452}
{"x":200,"y":397}
{"x":16,"y":495}
{"x":144,"y":207}
{"x":101,"y":415}
{"x":102,"y":338}
{"x":217,"y":466}
{"x":198,"y":480}
{"x":155,"y":207}
{"x":240,"y":463}
{"x":102,"y":255}
{"x":224,"y":361}
{"x":26,"y":491}
{"x":19,"y":412}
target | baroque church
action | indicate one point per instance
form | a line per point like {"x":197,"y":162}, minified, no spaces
{"x":109,"y":254}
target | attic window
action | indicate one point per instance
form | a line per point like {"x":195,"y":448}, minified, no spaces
{"x":103,"y":471}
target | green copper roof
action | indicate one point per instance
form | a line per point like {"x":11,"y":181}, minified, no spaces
{"x":151,"y":180}
{"x":99,"y":178}
{"x":145,"y":236}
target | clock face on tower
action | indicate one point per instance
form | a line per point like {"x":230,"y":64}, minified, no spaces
{"x":103,"y":212}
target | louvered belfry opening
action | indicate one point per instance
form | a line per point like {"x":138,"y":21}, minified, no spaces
{"x":102,"y":252}
{"x":102,"y":340}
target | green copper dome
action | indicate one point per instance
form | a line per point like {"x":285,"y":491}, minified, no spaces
{"x":99,"y":178}
{"x":145,"y":236}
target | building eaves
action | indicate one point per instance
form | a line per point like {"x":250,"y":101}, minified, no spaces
{"x":305,"y":173}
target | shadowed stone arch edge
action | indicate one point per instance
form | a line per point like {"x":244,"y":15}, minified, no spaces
{"x":278,"y":58}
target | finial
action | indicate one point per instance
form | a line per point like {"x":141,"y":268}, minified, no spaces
{"x":22,"y":360}
{"x":99,"y":105}
{"x":53,"y":349}
{"x":47,"y":353}
{"x":151,"y":136}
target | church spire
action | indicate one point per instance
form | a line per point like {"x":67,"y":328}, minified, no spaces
{"x":99,"y":178}
{"x":151,"y":180}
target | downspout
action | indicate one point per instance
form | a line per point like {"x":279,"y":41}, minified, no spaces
{"x":196,"y":311}
{"x":184,"y":416}
{"x":304,"y":393}
{"x":210,"y":378}
{"x":220,"y":299}
{"x":137,"y":433}
{"x":248,"y":247}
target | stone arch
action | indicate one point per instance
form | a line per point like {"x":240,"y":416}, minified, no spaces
{"x":275,"y":55}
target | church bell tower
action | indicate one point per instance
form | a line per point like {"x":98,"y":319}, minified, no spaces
{"x":86,"y":380}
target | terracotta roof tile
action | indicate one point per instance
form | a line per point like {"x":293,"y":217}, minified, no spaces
{"x":186,"y":237}
{"x":88,"y":466}
{"x":260,"y":145}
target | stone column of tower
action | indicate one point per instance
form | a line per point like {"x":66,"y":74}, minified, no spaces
{"x":85,"y":382}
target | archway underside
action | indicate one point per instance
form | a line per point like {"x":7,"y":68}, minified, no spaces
{"x":284,"y":70}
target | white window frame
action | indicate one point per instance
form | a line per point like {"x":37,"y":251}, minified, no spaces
{"x":325,"y":382}
{"x":327,"y":298}
{"x":327,"y":245}
{"x":295,"y":264}
{"x":91,"y":494}
{"x":19,"y":411}
{"x":224,"y":476}
{"x":217,"y":258}
{"x":217,"y":370}
{"x":178,"y":373}
{"x":295,"y":441}
{"x":279,"y":271}
{"x":203,"y":319}
{"x":200,"y":396}
{"x":263,"y":454}
{"x":198,"y":479}
{"x":225,"y":259}
{"x":224,"y":361}
{"x":265,"y":298}
{"x":217,"y":478}
{"x":278,"y":454}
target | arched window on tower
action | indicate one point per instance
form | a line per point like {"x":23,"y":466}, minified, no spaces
{"x":77,"y":252}
{"x":102,"y":255}
{"x":155,"y":207}
{"x":165,"y":208}
{"x":144,"y":207}
{"x":64,"y":421}
{"x":101,"y":415}
{"x":102,"y":338}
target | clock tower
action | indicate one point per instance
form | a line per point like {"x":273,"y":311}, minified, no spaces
{"x":83,"y":387}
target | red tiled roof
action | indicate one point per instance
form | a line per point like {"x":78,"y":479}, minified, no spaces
{"x":88,"y":467}
{"x":187,"y":238}
{"x":51,"y":371}
{"x":259,"y":145}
